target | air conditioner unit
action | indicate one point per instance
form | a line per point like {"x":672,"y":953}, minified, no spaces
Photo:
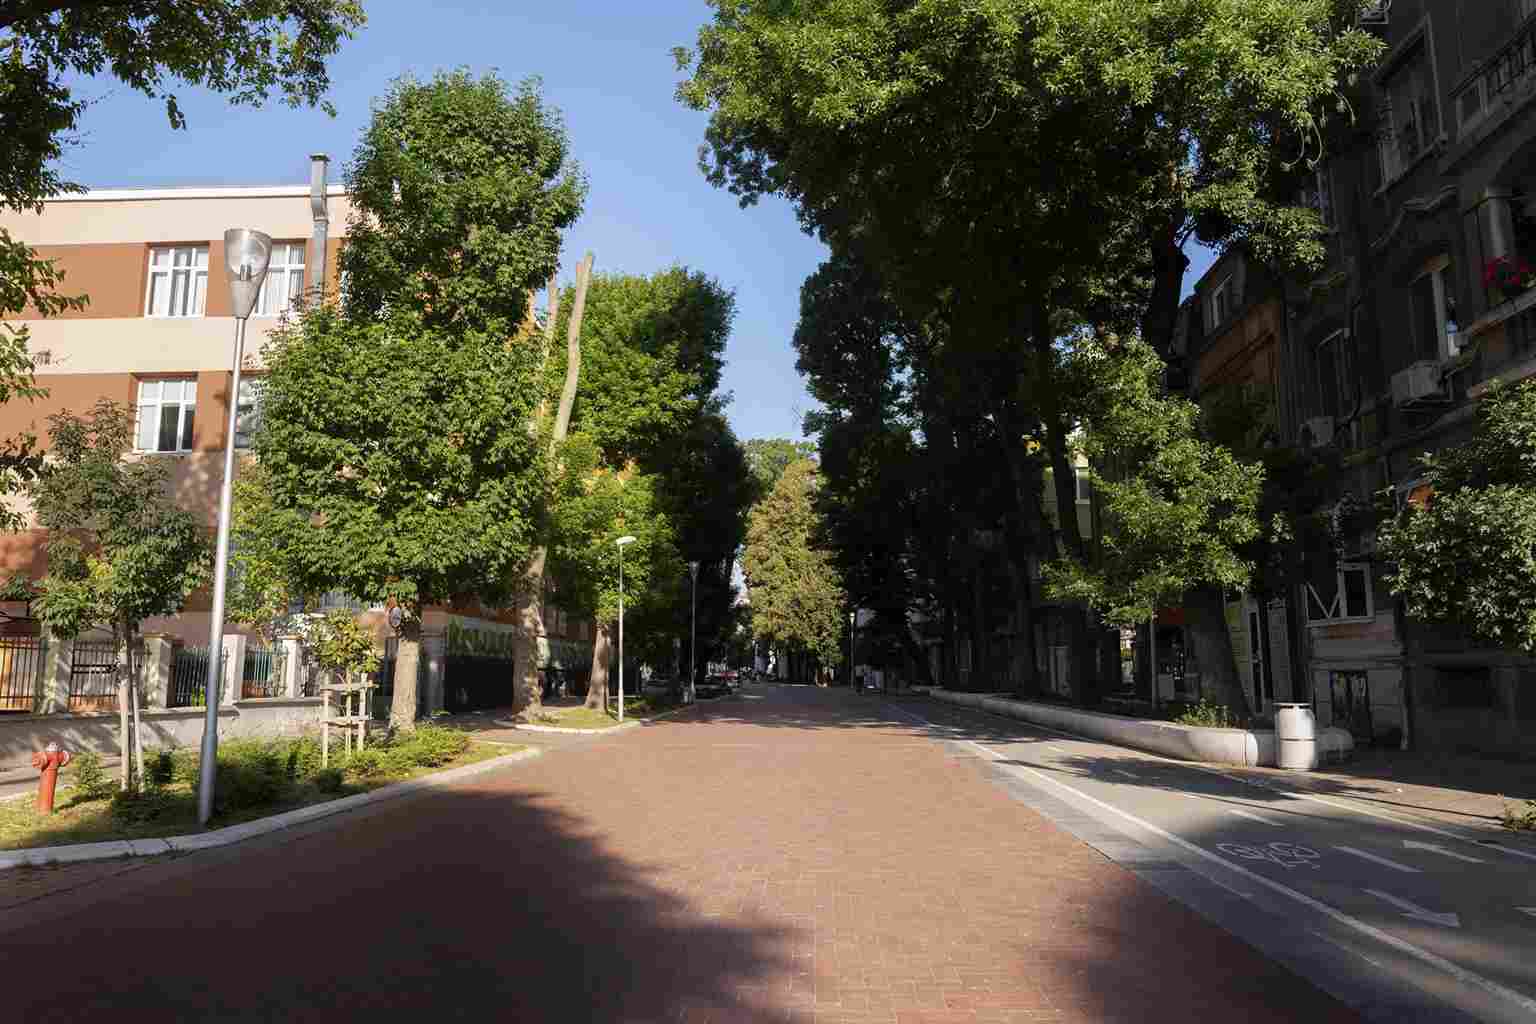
{"x":1320,"y":431}
{"x":1417,"y":383}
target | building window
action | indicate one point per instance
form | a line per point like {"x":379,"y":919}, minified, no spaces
{"x":284,"y":284}
{"x":1434,"y":312}
{"x":1342,"y":595}
{"x":1084,"y":485}
{"x":1336,"y":374}
{"x":1317,"y":194}
{"x":1221,"y":303}
{"x":248,"y":410}
{"x":166,"y":410}
{"x":178,"y":281}
{"x":1409,"y":118}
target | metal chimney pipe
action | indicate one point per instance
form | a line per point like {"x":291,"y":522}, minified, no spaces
{"x":318,"y":163}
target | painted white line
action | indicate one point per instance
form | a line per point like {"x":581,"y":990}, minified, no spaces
{"x":1379,"y":860}
{"x":1456,"y":971}
{"x":1251,"y":816}
{"x":1058,"y":750}
{"x":1411,"y":909}
{"x":1413,"y":844}
{"x":1122,"y":771}
{"x":1527,"y":910}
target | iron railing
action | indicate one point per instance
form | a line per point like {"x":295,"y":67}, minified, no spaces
{"x":93,"y":676}
{"x":189,"y":677}
{"x":262,"y":673}
{"x":22,"y":664}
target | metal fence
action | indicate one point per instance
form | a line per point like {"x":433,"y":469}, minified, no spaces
{"x":22,"y":662}
{"x":93,"y":676}
{"x":262,"y":673}
{"x":189,"y":677}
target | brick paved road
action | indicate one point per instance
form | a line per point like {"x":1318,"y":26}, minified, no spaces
{"x":790,"y":855}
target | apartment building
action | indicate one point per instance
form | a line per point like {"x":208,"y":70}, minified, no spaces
{"x":157,"y":337}
{"x":1429,"y":196}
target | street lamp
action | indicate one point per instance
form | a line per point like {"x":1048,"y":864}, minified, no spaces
{"x":622,"y":542}
{"x":693,"y":631}
{"x":246,"y":254}
{"x":853,"y":617}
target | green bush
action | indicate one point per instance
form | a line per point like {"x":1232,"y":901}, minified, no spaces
{"x":1517,"y":820}
{"x":364,"y":764}
{"x":159,"y":768}
{"x":303,"y":758}
{"x":91,"y":781}
{"x":328,"y":780}
{"x":251,"y":774}
{"x":184,"y":761}
{"x":1211,"y":716}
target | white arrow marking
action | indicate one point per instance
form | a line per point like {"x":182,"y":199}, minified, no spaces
{"x":1411,"y":909}
{"x":1379,"y":860}
{"x":1251,"y":816}
{"x":1414,"y":844}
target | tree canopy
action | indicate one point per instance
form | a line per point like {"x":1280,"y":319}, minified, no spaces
{"x":768,"y":457}
{"x":1480,"y":512}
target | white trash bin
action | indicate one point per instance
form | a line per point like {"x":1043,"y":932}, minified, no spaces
{"x":1296,"y":730}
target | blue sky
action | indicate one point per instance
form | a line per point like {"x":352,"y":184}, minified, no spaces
{"x":607,"y":65}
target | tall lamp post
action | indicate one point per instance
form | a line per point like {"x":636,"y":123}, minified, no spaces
{"x":853,"y":618}
{"x":693,"y":631}
{"x":246,"y":254}
{"x":621,"y":543}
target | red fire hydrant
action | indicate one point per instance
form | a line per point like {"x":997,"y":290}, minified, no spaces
{"x":48,"y":762}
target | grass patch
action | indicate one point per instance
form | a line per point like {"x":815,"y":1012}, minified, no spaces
{"x":578,"y":716}
{"x":257,"y":779}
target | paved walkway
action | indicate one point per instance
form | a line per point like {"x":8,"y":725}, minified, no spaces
{"x":788,"y":855}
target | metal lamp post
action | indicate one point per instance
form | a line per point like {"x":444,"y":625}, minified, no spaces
{"x":621,"y":542}
{"x":246,"y":254}
{"x":693,"y":630}
{"x":853,"y":618}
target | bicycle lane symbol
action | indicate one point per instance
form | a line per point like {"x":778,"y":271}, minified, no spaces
{"x":1286,"y":855}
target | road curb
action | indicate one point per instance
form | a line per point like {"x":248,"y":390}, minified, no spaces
{"x":631,"y":724}
{"x":121,"y":849}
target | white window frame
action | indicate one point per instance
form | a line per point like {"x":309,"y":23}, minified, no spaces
{"x":1435,"y":270}
{"x":1221,"y":302}
{"x":1083,"y":483}
{"x":164,"y":275}
{"x":251,"y":396}
{"x":183,"y":441}
{"x":1389,"y":149}
{"x":1332,"y":613}
{"x":281,"y":270}
{"x":1318,"y":195}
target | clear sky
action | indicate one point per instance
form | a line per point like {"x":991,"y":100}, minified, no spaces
{"x":607,"y":65}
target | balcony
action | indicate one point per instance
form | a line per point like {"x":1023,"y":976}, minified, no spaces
{"x":1503,"y":80}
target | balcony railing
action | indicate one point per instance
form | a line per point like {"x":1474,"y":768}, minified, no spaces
{"x":1509,"y":72}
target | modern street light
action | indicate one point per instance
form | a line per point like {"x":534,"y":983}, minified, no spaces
{"x":693,"y":631}
{"x":246,"y":254}
{"x":621,"y":542}
{"x":853,"y":618}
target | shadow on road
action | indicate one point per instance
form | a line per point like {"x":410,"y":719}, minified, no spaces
{"x":474,"y":904}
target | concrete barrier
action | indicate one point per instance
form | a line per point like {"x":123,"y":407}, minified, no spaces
{"x":1251,"y":747}
{"x":22,"y":735}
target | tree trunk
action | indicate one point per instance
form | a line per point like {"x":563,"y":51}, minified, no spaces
{"x":597,"y":689}
{"x":1211,"y":645}
{"x":124,"y":761}
{"x":1168,"y":264}
{"x":402,"y":709}
{"x":526,"y":691}
{"x":134,"y":682}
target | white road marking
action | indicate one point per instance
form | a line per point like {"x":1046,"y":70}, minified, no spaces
{"x":1401,"y":945}
{"x":1122,"y":771}
{"x":1414,"y":844}
{"x":1411,"y":909}
{"x":1379,"y":860}
{"x":1057,"y":749}
{"x":1527,"y":910}
{"x":1251,"y":816}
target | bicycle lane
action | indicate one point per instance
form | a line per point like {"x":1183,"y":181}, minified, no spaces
{"x":1450,"y":919}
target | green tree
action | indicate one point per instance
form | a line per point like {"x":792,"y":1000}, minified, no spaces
{"x":768,"y":457}
{"x":598,"y":506}
{"x":797,"y":597}
{"x":119,"y":550}
{"x":399,"y":465}
{"x":1176,"y":509}
{"x":461,"y":191}
{"x":1481,"y":512}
